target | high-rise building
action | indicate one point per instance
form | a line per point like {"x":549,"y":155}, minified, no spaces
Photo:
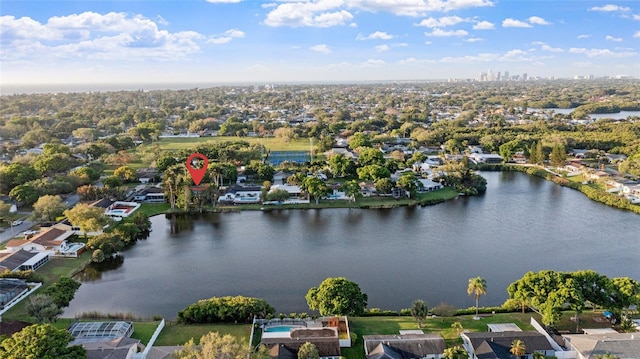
{"x":506,"y":75}
{"x":524,"y":77}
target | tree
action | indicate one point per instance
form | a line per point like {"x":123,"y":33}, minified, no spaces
{"x":518,"y":348}
{"x":24,"y":194}
{"x":63,"y":291}
{"x":373,"y":173}
{"x":352,"y":189}
{"x":43,"y":342}
{"x":43,"y":308}
{"x":477,"y":287}
{"x":337,"y":296}
{"x":308,"y":351}
{"x":408,"y":182}
{"x":125,"y":173}
{"x":384,"y":186}
{"x":456,"y":352}
{"x":358,"y":140}
{"x":419,"y":311}
{"x":558,"y":155}
{"x":48,"y":208}
{"x":215,"y":345}
{"x":89,"y":219}
{"x":457,"y":326}
{"x":112,"y":182}
{"x":316,"y":188}
{"x":606,"y":356}
{"x":370,"y":156}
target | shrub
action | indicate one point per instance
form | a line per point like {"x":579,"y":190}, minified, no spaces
{"x":225,"y":309}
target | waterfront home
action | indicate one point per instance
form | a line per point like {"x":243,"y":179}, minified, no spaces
{"x":49,"y":239}
{"x":409,"y":344}
{"x":105,"y":340}
{"x":21,"y":260}
{"x":283,"y":339}
{"x":489,"y":158}
{"x":242,"y":194}
{"x":427,"y":185}
{"x":589,"y":346}
{"x":149,"y":195}
{"x":497,"y":344}
{"x":118,"y":210}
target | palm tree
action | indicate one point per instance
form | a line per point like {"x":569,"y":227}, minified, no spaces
{"x":477,"y":287}
{"x":538,"y":355}
{"x":456,"y":352}
{"x":457,"y":326}
{"x":517,"y":348}
{"x":419,"y":311}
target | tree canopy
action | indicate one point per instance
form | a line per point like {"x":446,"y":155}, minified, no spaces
{"x":337,"y":296}
{"x":42,"y":341}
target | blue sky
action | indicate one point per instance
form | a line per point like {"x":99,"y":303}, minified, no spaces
{"x":162,"y":41}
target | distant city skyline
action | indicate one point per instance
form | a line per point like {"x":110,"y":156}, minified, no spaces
{"x":236,"y":41}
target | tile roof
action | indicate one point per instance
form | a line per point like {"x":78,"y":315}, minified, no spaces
{"x":406,"y":346}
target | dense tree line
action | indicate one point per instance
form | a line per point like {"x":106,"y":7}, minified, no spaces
{"x":237,"y":309}
{"x":549,"y":292}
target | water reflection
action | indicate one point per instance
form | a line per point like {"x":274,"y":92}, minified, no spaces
{"x":93,"y":271}
{"x":519,"y":225}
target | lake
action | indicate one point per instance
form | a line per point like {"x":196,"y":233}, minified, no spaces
{"x":596,"y":116}
{"x":398,"y":255}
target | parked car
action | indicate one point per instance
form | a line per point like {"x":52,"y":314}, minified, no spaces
{"x":16,"y":223}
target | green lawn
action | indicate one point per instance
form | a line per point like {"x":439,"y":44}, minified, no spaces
{"x":50,"y":272}
{"x":152,"y":209}
{"x":440,"y":325}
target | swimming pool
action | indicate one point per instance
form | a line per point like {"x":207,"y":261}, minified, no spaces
{"x":281,"y":328}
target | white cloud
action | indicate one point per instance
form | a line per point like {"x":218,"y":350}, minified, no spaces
{"x":321,"y":13}
{"x":637,"y":34}
{"x":268,"y":5}
{"x":428,"y":42}
{"x":228,"y":36}
{"x":91,"y":35}
{"x":484,"y":25}
{"x":601,"y":52}
{"x":473,"y":39}
{"x":584,"y":36}
{"x":441,"y":22}
{"x":383,"y":48}
{"x":446,"y":33}
{"x":378,"y":35}
{"x":538,"y":20}
{"x":322,"y":48}
{"x":609,"y":8}
{"x":548,"y":48}
{"x":373,"y":63}
{"x":509,"y":22}
{"x":611,"y":38}
{"x":415,"y":7}
{"x":636,"y":16}
{"x":223,"y":1}
{"x":353,"y":24}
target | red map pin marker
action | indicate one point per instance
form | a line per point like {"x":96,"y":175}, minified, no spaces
{"x":197,"y":173}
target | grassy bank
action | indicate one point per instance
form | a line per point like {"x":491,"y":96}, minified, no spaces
{"x":50,"y":272}
{"x":591,"y":190}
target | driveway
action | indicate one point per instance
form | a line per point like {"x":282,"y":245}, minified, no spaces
{"x":14,"y":231}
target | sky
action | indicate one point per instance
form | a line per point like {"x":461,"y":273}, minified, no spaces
{"x":228,"y":41}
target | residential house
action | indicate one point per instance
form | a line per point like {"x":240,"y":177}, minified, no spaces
{"x":497,"y":345}
{"x":21,"y":260}
{"x":589,"y":346}
{"x":51,"y":239}
{"x":150,"y":195}
{"x":347,"y":153}
{"x":427,"y":185}
{"x":485,"y":158}
{"x":407,"y":345}
{"x":242,"y":194}
{"x":147,"y":175}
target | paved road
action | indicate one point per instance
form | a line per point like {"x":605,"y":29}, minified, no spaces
{"x":14,"y":231}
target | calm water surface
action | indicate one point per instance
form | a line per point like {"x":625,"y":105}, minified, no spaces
{"x":396,"y":256}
